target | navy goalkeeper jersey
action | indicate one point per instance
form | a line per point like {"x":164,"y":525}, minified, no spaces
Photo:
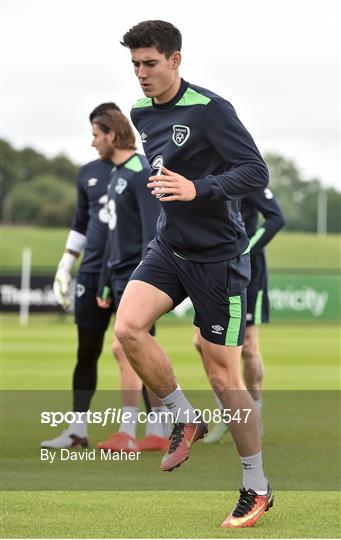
{"x":133,"y":213}
{"x":198,"y":135}
{"x":265,"y":203}
{"x":91,"y":215}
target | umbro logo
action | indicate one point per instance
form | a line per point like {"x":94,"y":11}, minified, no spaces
{"x":144,"y":137}
{"x":92,"y":182}
{"x":217,"y":329}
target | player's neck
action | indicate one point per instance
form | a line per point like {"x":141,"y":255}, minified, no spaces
{"x":169,"y":93}
{"x":120,"y":156}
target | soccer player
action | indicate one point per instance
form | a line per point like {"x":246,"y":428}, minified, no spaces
{"x":204,"y":161}
{"x":89,"y":232}
{"x":265,"y":203}
{"x":133,"y":214}
{"x":89,"y":235}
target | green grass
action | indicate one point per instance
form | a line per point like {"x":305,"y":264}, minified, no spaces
{"x":162,"y":515}
{"x":288,"y":250}
{"x":41,"y":356}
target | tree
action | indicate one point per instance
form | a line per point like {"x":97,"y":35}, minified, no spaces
{"x":45,"y":201}
{"x":298,"y":197}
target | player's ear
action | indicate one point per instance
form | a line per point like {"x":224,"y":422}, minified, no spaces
{"x":176,"y":60}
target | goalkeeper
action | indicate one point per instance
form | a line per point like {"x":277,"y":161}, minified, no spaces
{"x":89,"y":235}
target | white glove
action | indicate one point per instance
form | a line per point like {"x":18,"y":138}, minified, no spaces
{"x":62,"y":280}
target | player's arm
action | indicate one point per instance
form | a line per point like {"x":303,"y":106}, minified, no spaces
{"x":246,"y":170}
{"x":75,"y":244}
{"x":104,"y":293}
{"x":274,"y":219}
{"x":149,"y":208}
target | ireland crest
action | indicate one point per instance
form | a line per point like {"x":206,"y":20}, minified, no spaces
{"x":180,"y":134}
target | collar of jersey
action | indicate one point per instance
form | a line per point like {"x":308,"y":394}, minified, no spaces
{"x":162,"y":106}
{"x":122,"y":164}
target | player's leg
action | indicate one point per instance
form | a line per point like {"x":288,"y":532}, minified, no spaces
{"x":257,"y":314}
{"x":157,"y":425}
{"x":130,"y":387}
{"x":223,"y":366}
{"x":141,"y":305}
{"x":220,"y":313}
{"x":154,"y":290}
{"x":219,"y":429}
{"x":92,"y":323}
{"x":252,"y":362}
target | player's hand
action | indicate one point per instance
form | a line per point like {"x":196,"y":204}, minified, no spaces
{"x":103,"y":302}
{"x":171,"y":186}
{"x":61,"y":287}
{"x":62,"y":280}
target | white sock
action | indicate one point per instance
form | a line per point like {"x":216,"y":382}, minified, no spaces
{"x":129,"y":425}
{"x":253,"y":475}
{"x":157,"y":424}
{"x":177,"y":403}
{"x":79,"y":427}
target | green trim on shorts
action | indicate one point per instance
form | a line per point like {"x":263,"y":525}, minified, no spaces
{"x":233,"y":329}
{"x":258,"y":308}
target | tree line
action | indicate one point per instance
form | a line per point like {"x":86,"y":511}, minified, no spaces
{"x":41,"y":191}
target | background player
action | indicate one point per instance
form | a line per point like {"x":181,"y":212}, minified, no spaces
{"x":199,"y":250}
{"x":89,"y":233}
{"x":133,"y":214}
{"x":265,"y":203}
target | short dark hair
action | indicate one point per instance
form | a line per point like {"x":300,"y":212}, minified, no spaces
{"x":103,"y":107}
{"x":117,"y":122}
{"x":162,"y":35}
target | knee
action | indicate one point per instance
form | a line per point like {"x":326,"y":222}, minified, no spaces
{"x":127,"y":333}
{"x":221,"y":382}
{"x":116,"y":348}
{"x":252,"y":363}
{"x":248,"y":349}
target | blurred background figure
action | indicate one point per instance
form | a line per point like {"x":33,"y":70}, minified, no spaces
{"x":89,"y":234}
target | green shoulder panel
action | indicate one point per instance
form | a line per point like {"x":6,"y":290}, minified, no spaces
{"x":191,"y":97}
{"x":144,"y":102}
{"x":134,"y":164}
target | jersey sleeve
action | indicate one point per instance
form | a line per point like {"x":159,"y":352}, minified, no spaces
{"x":149,"y":207}
{"x":81,"y":215}
{"x":246,"y":171}
{"x":274,"y":219}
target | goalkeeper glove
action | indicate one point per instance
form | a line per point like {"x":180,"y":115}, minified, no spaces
{"x":62,"y":280}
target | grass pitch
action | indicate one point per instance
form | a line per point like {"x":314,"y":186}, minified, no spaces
{"x":42,"y":356}
{"x":288,"y":250}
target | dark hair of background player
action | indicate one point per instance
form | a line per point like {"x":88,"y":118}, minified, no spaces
{"x":117,"y":122}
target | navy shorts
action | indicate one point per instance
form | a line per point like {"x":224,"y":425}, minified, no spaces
{"x":217,"y":290}
{"x":87,"y":312}
{"x":257,"y":292}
